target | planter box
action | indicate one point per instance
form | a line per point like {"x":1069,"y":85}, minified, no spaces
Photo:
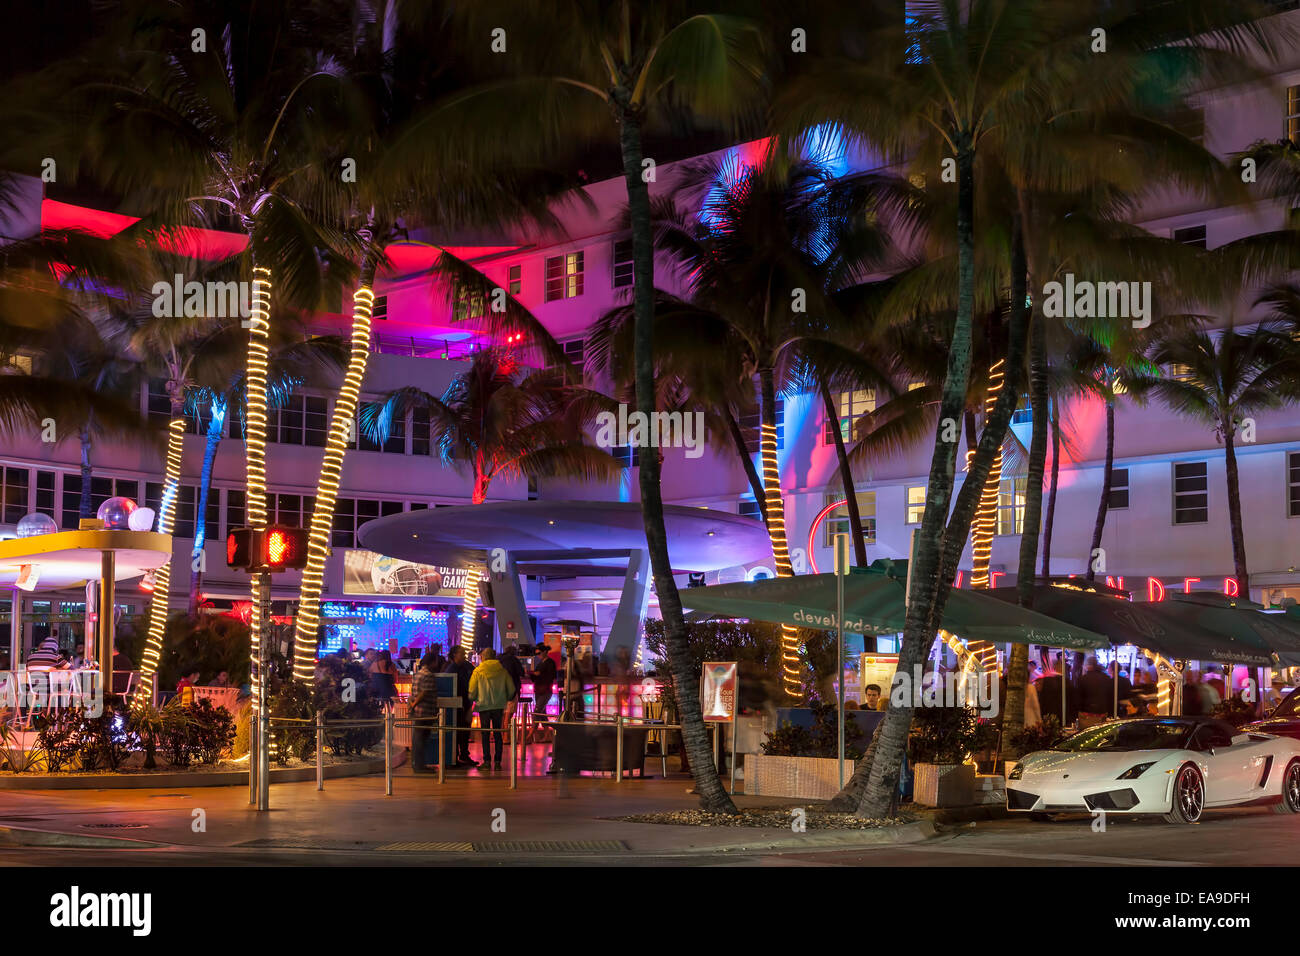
{"x":944,"y":784}
{"x":810,"y":778}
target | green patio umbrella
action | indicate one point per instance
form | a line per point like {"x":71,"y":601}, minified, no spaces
{"x":874,"y":603}
{"x":1124,"y":622}
{"x":1272,"y":633}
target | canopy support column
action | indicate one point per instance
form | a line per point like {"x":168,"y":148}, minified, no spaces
{"x":625,"y":631}
{"x":15,"y":628}
{"x":107,"y":602}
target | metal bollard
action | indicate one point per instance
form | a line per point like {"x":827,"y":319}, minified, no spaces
{"x":618,"y":749}
{"x":252,"y":758}
{"x":514,"y":758}
{"x":388,"y":754}
{"x":442,"y":753}
{"x":320,"y":750}
{"x":264,"y":760}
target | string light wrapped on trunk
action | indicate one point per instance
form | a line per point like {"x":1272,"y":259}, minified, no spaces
{"x":259,"y":330}
{"x":162,"y":575}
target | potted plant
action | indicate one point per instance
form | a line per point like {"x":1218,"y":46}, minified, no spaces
{"x":940,"y":746}
{"x":803,"y":762}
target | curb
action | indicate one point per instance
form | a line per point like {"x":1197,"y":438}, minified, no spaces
{"x":21,"y":836}
{"x":917,"y":832}
{"x":153,"y":781}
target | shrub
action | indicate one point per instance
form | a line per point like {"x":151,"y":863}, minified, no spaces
{"x":1040,"y":737}
{"x":293,"y":700}
{"x":944,"y":735}
{"x":104,"y":740}
{"x":58,"y":734}
{"x":199,"y":731}
{"x":819,"y":740}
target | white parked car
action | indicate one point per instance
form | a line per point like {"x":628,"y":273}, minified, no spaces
{"x":1174,"y":766}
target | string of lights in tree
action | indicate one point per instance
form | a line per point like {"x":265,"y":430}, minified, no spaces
{"x":162,"y":576}
{"x":255,"y":440}
{"x":986,"y":516}
{"x":327,"y":489}
{"x":790,"y":675}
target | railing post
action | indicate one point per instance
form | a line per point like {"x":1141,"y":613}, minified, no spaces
{"x":320,"y":750}
{"x":514,"y":756}
{"x":442,"y":753}
{"x":618,"y":749}
{"x":388,"y":753}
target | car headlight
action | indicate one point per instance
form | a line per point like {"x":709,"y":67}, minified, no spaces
{"x":1132,"y":773}
{"x":1017,"y":772}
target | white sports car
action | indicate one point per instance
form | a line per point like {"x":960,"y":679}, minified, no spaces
{"x":1174,"y":766}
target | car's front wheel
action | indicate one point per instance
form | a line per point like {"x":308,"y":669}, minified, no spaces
{"x":1290,"y":789}
{"x":1189,"y":796}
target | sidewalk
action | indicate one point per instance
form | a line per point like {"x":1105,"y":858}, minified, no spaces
{"x":462,"y":815}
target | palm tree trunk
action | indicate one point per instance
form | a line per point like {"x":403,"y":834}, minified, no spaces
{"x":755,"y":483}
{"x":1050,"y":520}
{"x":215,"y":426}
{"x":1104,"y":505}
{"x":255,"y":424}
{"x":1234,"y":511}
{"x":695,"y":738}
{"x":846,"y":477}
{"x":926,"y":597}
{"x":342,"y":423}
{"x":158,"y":601}
{"x":84,"y":506}
{"x":986,"y":516}
{"x":791,"y":672}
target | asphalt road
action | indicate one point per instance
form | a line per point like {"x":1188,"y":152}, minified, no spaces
{"x":1247,"y":837}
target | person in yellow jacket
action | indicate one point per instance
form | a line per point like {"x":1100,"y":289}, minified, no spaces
{"x":491,"y":687}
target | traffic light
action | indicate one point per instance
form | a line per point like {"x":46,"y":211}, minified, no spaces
{"x":276,"y":548}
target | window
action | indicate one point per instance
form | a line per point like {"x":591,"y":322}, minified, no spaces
{"x":351,"y":513}
{"x":186,"y":508}
{"x":420,"y":439}
{"x":749,"y":427}
{"x":915,"y":503}
{"x":1180,"y":373}
{"x":1291,"y":127}
{"x":45,"y":493}
{"x":626,"y":455}
{"x":1293,"y":484}
{"x":1011,"y":505}
{"x":13,"y":495}
{"x":158,"y":405}
{"x":852,"y":405}
{"x":1191,"y":492}
{"x":575,"y":351}
{"x":468,"y":304}
{"x":837,"y":522}
{"x":622,"y":268}
{"x":379,"y":310}
{"x":1118,"y":489}
{"x":1191,"y":236}
{"x":515,"y":278}
{"x":749,"y":508}
{"x":300,"y":420}
{"x":235,"y":514}
{"x":293,"y":510}
{"x":101,"y":489}
{"x":564,"y":276}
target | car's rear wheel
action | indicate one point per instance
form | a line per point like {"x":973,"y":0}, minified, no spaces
{"x":1290,"y":789}
{"x":1189,"y":796}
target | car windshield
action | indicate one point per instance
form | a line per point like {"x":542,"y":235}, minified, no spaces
{"x":1131,"y":735}
{"x":1289,"y":707}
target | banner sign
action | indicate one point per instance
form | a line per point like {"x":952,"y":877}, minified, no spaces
{"x":365,"y":572}
{"x":718,"y":690}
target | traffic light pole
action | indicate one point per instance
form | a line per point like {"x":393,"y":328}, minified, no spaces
{"x":263,"y":718}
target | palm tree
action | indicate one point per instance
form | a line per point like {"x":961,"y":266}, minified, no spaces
{"x":1224,"y":378}
{"x":580,"y":64}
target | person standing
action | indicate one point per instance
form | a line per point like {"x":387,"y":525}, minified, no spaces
{"x":510,"y":661}
{"x":424,"y":704}
{"x":491,"y":688}
{"x":1096,"y":695}
{"x":383,"y":678}
{"x":543,"y":675}
{"x":458,"y":665}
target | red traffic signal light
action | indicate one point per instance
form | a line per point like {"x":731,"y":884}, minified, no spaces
{"x":276,"y":548}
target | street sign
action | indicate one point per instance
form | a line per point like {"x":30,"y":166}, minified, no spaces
{"x":842,"y":559}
